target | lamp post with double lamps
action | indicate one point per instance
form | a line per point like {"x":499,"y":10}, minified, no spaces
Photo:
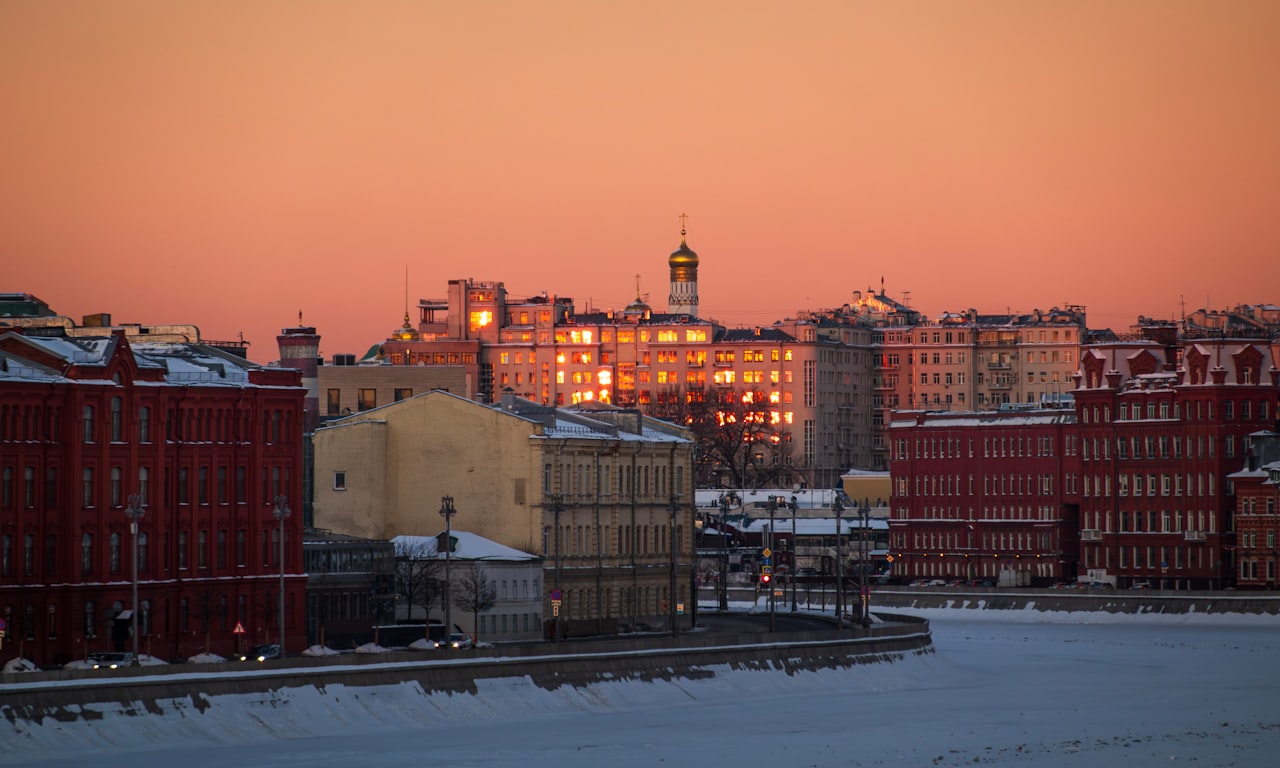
{"x":447,"y":512}
{"x":863,"y":562}
{"x":794,"y":556}
{"x":134,"y":512}
{"x":773,"y":508}
{"x":675,"y":547}
{"x":280,"y":512}
{"x":838,"y":508}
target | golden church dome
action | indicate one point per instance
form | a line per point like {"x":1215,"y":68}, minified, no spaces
{"x":683,"y":256}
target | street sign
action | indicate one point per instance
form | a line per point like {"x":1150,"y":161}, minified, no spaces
{"x":3,"y":626}
{"x":555,"y":594}
{"x":239,"y":630}
{"x":680,"y":608}
{"x":767,"y":552}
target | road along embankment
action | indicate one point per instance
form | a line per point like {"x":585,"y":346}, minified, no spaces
{"x":40,"y":708}
{"x":1136,"y":601}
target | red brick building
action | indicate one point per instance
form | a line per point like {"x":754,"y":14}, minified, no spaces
{"x":1162,"y":426}
{"x":978,"y":495}
{"x":1257,"y":514}
{"x":207,"y":439}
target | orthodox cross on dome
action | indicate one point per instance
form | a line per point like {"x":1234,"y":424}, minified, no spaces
{"x":299,"y":318}
{"x":684,"y":217}
{"x":637,"y":286}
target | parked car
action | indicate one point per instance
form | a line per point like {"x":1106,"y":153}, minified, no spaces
{"x":461,"y":640}
{"x":111,"y":659}
{"x":261,"y":653}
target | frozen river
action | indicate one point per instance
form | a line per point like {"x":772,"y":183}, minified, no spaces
{"x":999,"y":691}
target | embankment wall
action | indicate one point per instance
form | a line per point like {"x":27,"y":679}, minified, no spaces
{"x":71,"y":695}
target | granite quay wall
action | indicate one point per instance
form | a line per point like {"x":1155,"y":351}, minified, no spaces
{"x":68,"y":695}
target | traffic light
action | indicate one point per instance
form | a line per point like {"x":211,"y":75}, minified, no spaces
{"x":766,"y":574}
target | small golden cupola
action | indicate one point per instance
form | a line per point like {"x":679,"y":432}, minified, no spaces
{"x":684,"y":277}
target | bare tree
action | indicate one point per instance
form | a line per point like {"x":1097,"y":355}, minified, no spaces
{"x":739,"y":433}
{"x":418,"y":577}
{"x":475,"y":593}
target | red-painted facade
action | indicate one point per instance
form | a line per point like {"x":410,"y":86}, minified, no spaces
{"x":1161,"y":429}
{"x":1257,"y":514}
{"x":978,"y":495}
{"x":207,"y":439}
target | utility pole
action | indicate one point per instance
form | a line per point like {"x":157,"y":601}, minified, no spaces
{"x":794,"y":559}
{"x":447,"y":512}
{"x":865,"y":513}
{"x":724,"y":554}
{"x":838,"y":508}
{"x":773,"y":507}
{"x":671,"y":605}
{"x":280,"y":512}
{"x":557,"y":506}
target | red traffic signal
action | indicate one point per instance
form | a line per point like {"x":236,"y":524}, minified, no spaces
{"x":765,"y":578}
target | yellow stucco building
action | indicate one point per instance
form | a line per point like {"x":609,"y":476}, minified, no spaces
{"x":603,"y":495}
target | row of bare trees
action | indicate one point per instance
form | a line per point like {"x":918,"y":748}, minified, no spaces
{"x":742,"y":438}
{"x":420,"y":583}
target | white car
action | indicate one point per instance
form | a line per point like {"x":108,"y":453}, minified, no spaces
{"x":461,"y":640}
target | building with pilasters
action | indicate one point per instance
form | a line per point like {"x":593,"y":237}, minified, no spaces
{"x":200,"y":441}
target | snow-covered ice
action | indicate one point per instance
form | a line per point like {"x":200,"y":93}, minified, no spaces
{"x":1004,"y":688}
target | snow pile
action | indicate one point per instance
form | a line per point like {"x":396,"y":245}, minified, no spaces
{"x":206,"y":658}
{"x":320,"y":650}
{"x":20,"y":665}
{"x":372,"y":648}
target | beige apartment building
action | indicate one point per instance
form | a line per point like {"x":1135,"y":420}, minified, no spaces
{"x":806,"y":380}
{"x":968,"y":361}
{"x":603,"y":495}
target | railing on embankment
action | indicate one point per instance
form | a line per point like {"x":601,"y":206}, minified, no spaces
{"x":1106,"y":600}
{"x":72,"y":694}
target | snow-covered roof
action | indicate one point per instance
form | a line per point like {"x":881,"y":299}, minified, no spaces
{"x":470,"y":546}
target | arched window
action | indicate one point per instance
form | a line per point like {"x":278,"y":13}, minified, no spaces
{"x":90,"y":629}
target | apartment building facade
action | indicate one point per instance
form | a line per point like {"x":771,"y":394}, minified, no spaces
{"x":604,"y":496}
{"x":806,"y":380}
{"x":979,"y":495}
{"x":1162,"y":428}
{"x":1257,"y":513}
{"x":200,"y":442}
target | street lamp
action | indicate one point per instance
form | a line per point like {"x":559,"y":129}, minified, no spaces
{"x":671,"y":604}
{"x":447,"y":512}
{"x":773,"y":507}
{"x":557,"y":506}
{"x":280,"y":512}
{"x":864,"y":512}
{"x":724,"y":554}
{"x":133,"y":512}
{"x":794,"y":562}
{"x":838,"y":508}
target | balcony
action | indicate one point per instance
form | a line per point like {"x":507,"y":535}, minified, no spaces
{"x":1090,"y":534}
{"x":999,"y":366}
{"x":1194,"y":536}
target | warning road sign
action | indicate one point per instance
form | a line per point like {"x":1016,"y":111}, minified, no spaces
{"x":239,"y":630}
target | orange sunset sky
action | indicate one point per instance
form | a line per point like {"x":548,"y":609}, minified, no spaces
{"x":230,"y":163}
